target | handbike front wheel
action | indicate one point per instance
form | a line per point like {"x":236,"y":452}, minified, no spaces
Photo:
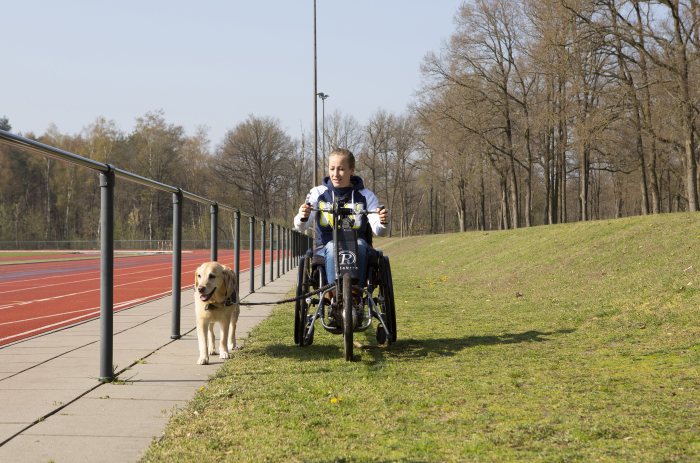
{"x":347,"y":317}
{"x":304,"y":312}
{"x":298,"y":303}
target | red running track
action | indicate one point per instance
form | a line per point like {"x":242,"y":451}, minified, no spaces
{"x":40,"y":297}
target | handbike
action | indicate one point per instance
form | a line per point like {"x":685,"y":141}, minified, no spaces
{"x":344,"y":315}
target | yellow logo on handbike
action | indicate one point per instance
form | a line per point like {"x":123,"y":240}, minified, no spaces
{"x":327,"y":217}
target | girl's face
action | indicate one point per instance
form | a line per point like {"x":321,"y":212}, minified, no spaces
{"x":339,"y":171}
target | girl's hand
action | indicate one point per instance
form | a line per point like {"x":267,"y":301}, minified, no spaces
{"x":383,"y":215}
{"x":305,"y":210}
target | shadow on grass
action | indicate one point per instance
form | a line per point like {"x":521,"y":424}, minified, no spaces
{"x":447,"y":347}
{"x":409,"y":348}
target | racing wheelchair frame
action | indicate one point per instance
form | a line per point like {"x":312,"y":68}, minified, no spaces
{"x":345,"y":316}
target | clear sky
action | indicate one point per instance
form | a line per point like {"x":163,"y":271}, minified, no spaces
{"x":211,"y":62}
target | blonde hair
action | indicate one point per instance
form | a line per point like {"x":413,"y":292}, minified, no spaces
{"x":346,"y":154}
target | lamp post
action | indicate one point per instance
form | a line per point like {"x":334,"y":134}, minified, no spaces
{"x":323,"y":97}
{"x":315,"y":109}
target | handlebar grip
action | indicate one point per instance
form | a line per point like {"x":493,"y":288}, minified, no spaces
{"x":306,"y":219}
{"x":381,"y":206}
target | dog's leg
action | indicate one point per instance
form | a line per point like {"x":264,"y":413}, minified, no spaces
{"x":211,"y":340}
{"x":223,"y":347}
{"x":202,"y":338}
{"x":232,"y":332}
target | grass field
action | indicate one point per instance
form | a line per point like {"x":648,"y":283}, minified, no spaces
{"x":598,"y":360}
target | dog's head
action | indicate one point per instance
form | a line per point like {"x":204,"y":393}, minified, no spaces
{"x":213,"y":282}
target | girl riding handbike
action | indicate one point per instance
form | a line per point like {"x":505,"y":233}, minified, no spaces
{"x":346,"y":214}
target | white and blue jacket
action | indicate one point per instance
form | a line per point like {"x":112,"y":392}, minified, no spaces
{"x":360,"y":198}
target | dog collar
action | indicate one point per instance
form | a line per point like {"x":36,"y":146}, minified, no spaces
{"x":228,"y":302}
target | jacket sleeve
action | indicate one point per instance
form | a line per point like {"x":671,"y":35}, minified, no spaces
{"x":311,"y":198}
{"x":378,"y":228}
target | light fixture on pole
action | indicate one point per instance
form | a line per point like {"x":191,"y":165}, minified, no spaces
{"x":323,"y":97}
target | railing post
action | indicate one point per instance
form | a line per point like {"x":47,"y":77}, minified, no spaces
{"x":289,"y":249}
{"x":237,"y":244}
{"x":251,"y":222}
{"x":284,"y":250}
{"x":263,"y":227}
{"x":107,"y":181}
{"x":177,"y":264}
{"x":278,"y":251}
{"x":272,"y":256}
{"x":214,"y":211}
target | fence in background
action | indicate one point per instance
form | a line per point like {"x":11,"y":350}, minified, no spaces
{"x":286,"y":243}
{"x":123,"y":245}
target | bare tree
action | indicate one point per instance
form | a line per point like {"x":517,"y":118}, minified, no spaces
{"x":254,"y":158}
{"x":158,"y":147}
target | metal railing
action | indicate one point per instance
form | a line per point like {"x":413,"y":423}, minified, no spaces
{"x":289,"y":244}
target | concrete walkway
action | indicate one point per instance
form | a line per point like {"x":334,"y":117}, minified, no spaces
{"x":53,"y":379}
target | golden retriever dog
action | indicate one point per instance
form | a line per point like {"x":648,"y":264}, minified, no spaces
{"x":215,"y":301}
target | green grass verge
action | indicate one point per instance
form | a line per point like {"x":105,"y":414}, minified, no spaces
{"x":596,"y":361}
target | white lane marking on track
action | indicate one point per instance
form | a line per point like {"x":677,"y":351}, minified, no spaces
{"x":140,"y":265}
{"x":75,"y":294}
{"x":121,"y":275}
{"x":92,"y":279}
{"x":118,"y":305}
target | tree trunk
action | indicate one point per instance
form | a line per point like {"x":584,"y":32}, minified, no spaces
{"x":513,"y":180}
{"x":642,"y":165}
{"x":150,"y":219}
{"x":48,"y":198}
{"x":687,"y":118}
{"x":584,"y":183}
{"x":547,"y":219}
{"x":528,"y":187}
{"x":462,"y":209}
{"x":618,"y":196}
{"x":503,"y":223}
{"x":482,"y":212}
{"x":562,"y":187}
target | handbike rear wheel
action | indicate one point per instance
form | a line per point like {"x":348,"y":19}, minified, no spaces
{"x":347,"y":317}
{"x":304,"y":312}
{"x":301,"y":322}
{"x":390,"y":303}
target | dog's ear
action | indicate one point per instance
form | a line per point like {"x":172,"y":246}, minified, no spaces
{"x":196,"y":279}
{"x":229,"y":280}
